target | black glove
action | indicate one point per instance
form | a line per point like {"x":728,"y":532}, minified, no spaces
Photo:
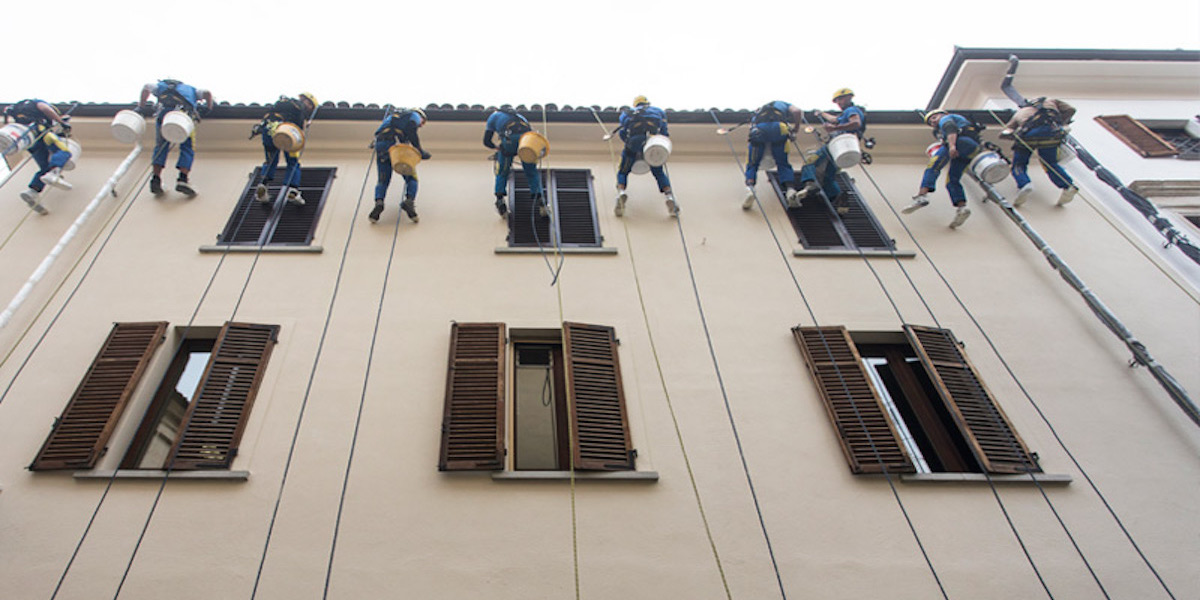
{"x":203,"y":110}
{"x":146,"y":110}
{"x":66,"y":128}
{"x":256,"y":130}
{"x":425,"y":155}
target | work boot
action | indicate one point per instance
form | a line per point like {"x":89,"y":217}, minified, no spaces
{"x":960,"y":216}
{"x":1022,"y":195}
{"x":182,"y":186}
{"x":156,"y":187}
{"x":840,"y":204}
{"x":622,"y":197}
{"x":294,"y":197}
{"x":55,"y":178}
{"x":501,"y":205}
{"x":672,"y":207}
{"x":260,"y":193}
{"x":30,"y":197}
{"x":409,"y":206}
{"x":791,"y":198}
{"x":375,"y":212}
{"x":919,"y":201}
{"x":809,"y":190}
{"x":1067,"y":195}
{"x":748,"y":203}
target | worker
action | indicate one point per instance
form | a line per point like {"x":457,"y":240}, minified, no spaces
{"x":48,"y":149}
{"x":635,"y":127}
{"x":398,"y":127}
{"x":1040,"y":125}
{"x":851,"y":119}
{"x":960,"y":143}
{"x":772,"y":127}
{"x":296,"y":111}
{"x":174,"y":95}
{"x":510,"y":126}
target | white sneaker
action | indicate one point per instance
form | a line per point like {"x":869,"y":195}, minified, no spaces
{"x":748,"y":203}
{"x":792,"y":199}
{"x":55,"y":178}
{"x":1023,"y":195}
{"x":294,"y":197}
{"x":31,"y":198}
{"x":619,"y":209}
{"x":960,"y":217}
{"x":672,"y":207}
{"x":260,"y":193}
{"x":919,"y":201}
{"x":1067,"y":195}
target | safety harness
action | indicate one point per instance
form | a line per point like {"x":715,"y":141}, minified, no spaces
{"x":26,"y":112}
{"x":517,"y":125}
{"x":642,"y":123}
{"x":769,"y":113}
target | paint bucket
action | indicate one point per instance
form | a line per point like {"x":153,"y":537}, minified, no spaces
{"x":1066,"y":154}
{"x":989,"y":167}
{"x":404,"y":159}
{"x":177,"y":126}
{"x":657,"y":150}
{"x":933,"y":148}
{"x":287,"y":137}
{"x":844,"y":150}
{"x":14,"y":138}
{"x":640,"y":167}
{"x":128,"y":126}
{"x":75,"y":149}
{"x":532,"y":146}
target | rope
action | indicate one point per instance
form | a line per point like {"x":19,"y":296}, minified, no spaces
{"x":666,"y":392}
{"x":845,"y":388}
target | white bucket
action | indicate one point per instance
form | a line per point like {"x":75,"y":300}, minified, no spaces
{"x":844,"y":150}
{"x":177,"y":126}
{"x":932,"y":149}
{"x":14,"y":138}
{"x":1066,"y":154}
{"x":640,"y":167}
{"x":657,"y":150}
{"x":989,"y":167}
{"x":128,"y":126}
{"x":75,"y":149}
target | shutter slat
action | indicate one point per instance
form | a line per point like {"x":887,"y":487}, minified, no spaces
{"x":600,"y":427}
{"x":860,"y":223}
{"x":473,"y":416}
{"x":81,"y":432}
{"x":254,"y":223}
{"x":869,"y":438}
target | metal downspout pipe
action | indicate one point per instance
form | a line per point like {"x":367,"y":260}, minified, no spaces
{"x":44,"y":267}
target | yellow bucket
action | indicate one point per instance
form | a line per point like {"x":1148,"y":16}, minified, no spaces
{"x":532,"y":146}
{"x":404,"y":159}
{"x":288,"y":137}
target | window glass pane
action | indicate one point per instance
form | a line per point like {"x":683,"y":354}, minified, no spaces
{"x":171,"y":403}
{"x":536,"y":409}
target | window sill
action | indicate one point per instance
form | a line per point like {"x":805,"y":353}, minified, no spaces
{"x":554,"y":250}
{"x":1041,"y":478}
{"x":214,"y":249}
{"x":854,"y":253}
{"x":643,"y":476}
{"x":215,"y":475}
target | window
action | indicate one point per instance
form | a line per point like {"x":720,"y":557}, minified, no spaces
{"x":197,"y":416}
{"x":278,"y":223}
{"x":819,"y":226}
{"x":566,"y":387}
{"x":1183,"y":141}
{"x":911,"y":402}
{"x":1137,"y":136}
{"x":569,"y":192}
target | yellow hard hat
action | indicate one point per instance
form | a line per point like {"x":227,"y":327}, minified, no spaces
{"x":311,"y":98}
{"x":843,"y":92}
{"x":640,"y":100}
{"x":938,"y":112}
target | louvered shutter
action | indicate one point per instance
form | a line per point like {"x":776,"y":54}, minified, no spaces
{"x":991,"y":437}
{"x":576,"y":212}
{"x":859,"y":222}
{"x":1137,"y":136}
{"x":217,"y":415}
{"x":597,"y":400}
{"x":869,"y":439}
{"x":526,"y":228}
{"x":818,"y":225}
{"x":278,"y":223}
{"x":473,"y":417}
{"x":81,"y":432}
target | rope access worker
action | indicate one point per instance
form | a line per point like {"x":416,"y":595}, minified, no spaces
{"x":174,"y":95}
{"x":398,"y":127}
{"x":1040,"y":126}
{"x":636,"y":126}
{"x":49,"y":150}
{"x":772,"y":127}
{"x":852,"y":119}
{"x":960,"y":143}
{"x":510,"y":126}
{"x":285,"y":110}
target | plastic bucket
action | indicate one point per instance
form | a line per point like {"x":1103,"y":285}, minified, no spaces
{"x":177,"y":126}
{"x":288,"y":137}
{"x":404,"y":158}
{"x":75,"y":149}
{"x":14,"y":138}
{"x":532,"y":146}
{"x":128,"y":126}
{"x":1066,"y":154}
{"x":932,"y":149}
{"x":844,"y":150}
{"x":640,"y":167}
{"x":657,"y":150}
{"x":989,"y":167}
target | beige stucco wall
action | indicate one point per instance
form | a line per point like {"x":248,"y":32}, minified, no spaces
{"x":408,"y":530}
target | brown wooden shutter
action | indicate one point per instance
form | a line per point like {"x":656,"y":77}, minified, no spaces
{"x":217,"y":416}
{"x":869,"y":439}
{"x":599,"y":428}
{"x":81,"y":432}
{"x":1137,"y":136}
{"x":992,"y":438}
{"x":473,"y":417}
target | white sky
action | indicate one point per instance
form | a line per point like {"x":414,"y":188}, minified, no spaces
{"x":682,"y":54}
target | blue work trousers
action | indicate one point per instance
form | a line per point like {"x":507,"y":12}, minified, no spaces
{"x":383,"y":164}
{"x":1040,"y":139}
{"x":772,"y":135}
{"x":829,"y":182}
{"x":47,"y":158}
{"x":162,"y":147}
{"x":633,"y":149}
{"x":291,"y":177}
{"x":504,"y":158}
{"x":967,"y":148}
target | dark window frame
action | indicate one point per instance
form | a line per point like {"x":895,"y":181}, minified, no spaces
{"x":818,"y":226}
{"x":278,"y":223}
{"x":572,"y":198}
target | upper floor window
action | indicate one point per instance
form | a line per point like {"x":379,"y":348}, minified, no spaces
{"x":574,"y":223}
{"x":278,"y":223}
{"x":1154,"y":138}
{"x":820,"y":225}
